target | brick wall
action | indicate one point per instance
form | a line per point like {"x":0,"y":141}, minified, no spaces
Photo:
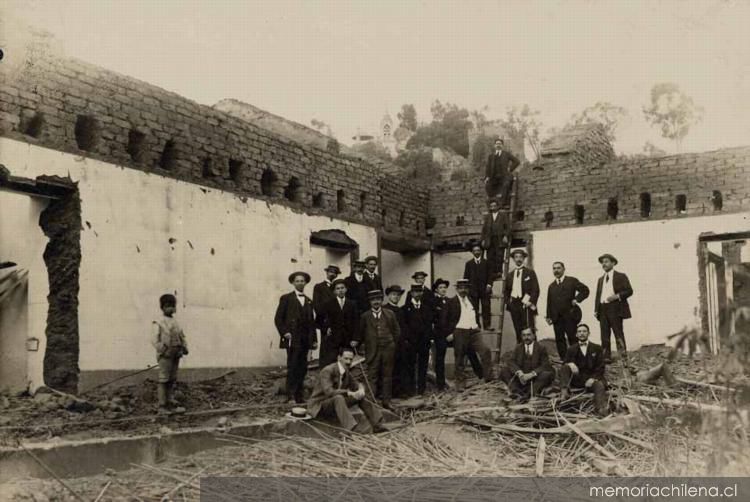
{"x":69,"y":105}
{"x":677,"y":186}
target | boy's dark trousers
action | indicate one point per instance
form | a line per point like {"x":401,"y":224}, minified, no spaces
{"x":296,"y":369}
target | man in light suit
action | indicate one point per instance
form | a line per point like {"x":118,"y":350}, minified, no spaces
{"x":500,"y":166}
{"x":611,"y":306}
{"x":583,"y":367}
{"x":477,"y":271}
{"x":564,"y":295}
{"x":295,"y":323}
{"x":521,"y":294}
{"x":337,"y":390}
{"x":528,"y":371}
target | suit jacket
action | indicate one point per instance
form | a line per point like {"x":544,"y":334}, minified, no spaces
{"x":589,"y":366}
{"x":292,"y":317}
{"x":417,"y":323}
{"x":529,"y":285}
{"x":344,"y":323}
{"x":428,"y":297}
{"x":357,"y":291}
{"x":621,"y":286}
{"x":560,"y":299}
{"x":479,"y":277}
{"x":452,"y":314}
{"x":440,"y":317}
{"x":322,"y":294}
{"x":376,"y":283}
{"x":367,"y":333}
{"x":493,"y":231}
{"x":500,"y":167}
{"x":327,"y":386}
{"x":539,"y":360}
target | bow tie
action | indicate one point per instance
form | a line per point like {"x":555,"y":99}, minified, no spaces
{"x":300,"y":295}
{"x":583,"y":344}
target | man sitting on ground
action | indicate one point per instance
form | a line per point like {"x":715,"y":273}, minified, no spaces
{"x":336,"y":390}
{"x":528,"y":372}
{"x":584,"y":368}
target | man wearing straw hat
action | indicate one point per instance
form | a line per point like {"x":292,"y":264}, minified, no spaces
{"x":336,"y":390}
{"x":521,"y":293}
{"x":379,"y":332}
{"x":611,"y":306}
{"x":295,"y":323}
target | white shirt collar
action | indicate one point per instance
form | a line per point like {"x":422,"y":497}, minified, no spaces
{"x":561,"y":279}
{"x":342,"y":370}
{"x":416,"y":303}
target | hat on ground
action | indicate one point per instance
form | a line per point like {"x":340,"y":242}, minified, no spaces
{"x":371,"y":258}
{"x":293,"y":275}
{"x":607,"y":255}
{"x":298,"y":414}
{"x":521,"y":251}
{"x":418,"y":274}
{"x":336,"y":282}
{"x":394,"y":289}
{"x":462,"y":283}
{"x":359,"y":262}
{"x":332,"y":268}
{"x":374,"y":293}
{"x":440,"y":281}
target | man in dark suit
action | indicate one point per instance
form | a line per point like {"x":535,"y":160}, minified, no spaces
{"x":339,"y":322}
{"x":521,"y":294}
{"x":356,"y":287}
{"x":611,"y":306}
{"x":564,"y":295}
{"x":461,"y":322}
{"x":323,"y":291}
{"x":371,"y":277}
{"x":494,"y":239}
{"x":427,"y":295}
{"x":393,"y":295}
{"x":418,"y":318}
{"x":500,"y":166}
{"x":379,"y":332}
{"x":336,"y":390}
{"x":583,"y":367}
{"x":528,"y":371}
{"x":295,"y":323}
{"x":477,"y":271}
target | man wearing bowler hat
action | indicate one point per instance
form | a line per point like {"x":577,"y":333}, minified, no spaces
{"x":295,"y":323}
{"x":521,"y":293}
{"x":564,"y":296}
{"x":356,"y":287}
{"x":417,"y":334}
{"x":379,"y":332}
{"x":371,"y":277}
{"x":611,"y":306}
{"x":427,"y":295}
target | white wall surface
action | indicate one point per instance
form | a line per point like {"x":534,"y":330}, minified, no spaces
{"x":397,"y":268}
{"x":228,"y":262}
{"x":660,"y":258}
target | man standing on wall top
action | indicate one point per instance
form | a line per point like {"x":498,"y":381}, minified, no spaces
{"x":611,"y":306}
{"x":500,"y":166}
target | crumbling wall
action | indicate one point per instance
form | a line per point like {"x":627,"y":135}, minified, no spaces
{"x":61,"y":223}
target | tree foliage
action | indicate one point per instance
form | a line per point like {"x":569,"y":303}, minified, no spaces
{"x":449,"y":129}
{"x":673,"y":111}
{"x":408,"y":117}
{"x":418,"y":163}
{"x":524,"y":121}
{"x":484,"y":145}
{"x":373,"y":150}
{"x":608,"y":115}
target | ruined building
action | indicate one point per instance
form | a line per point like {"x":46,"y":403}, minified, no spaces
{"x":117,"y":191}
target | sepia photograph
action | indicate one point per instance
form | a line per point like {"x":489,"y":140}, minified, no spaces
{"x":326,"y":250}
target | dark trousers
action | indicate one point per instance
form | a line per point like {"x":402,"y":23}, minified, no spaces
{"x":611,"y":322}
{"x":565,"y":334}
{"x":329,"y":349}
{"x":423,"y":359}
{"x":531,"y":388}
{"x":338,"y":406}
{"x":500,"y":187}
{"x":522,"y":317}
{"x":441,"y":347}
{"x":482,"y":302}
{"x":468,"y":341}
{"x":495,"y":256}
{"x":599,"y":388}
{"x":296,"y":369}
{"x":413,"y":360}
{"x":380,"y":371}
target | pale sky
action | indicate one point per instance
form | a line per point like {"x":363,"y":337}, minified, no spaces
{"x":346,"y":63}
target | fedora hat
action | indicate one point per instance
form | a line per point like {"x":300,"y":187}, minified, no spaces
{"x":418,"y":274}
{"x":394,"y":289}
{"x":607,"y":255}
{"x":295,"y":274}
{"x":332,"y":268}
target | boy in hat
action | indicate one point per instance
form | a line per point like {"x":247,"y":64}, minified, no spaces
{"x":341,"y":322}
{"x":494,"y":238}
{"x":419,"y":280}
{"x":356,"y":287}
{"x":521,"y":294}
{"x":462,"y":324}
{"x":611,"y":306}
{"x":477,"y":271}
{"x":583,"y":367}
{"x":169,"y":341}
{"x":528,"y":371}
{"x":417,"y":333}
{"x":498,"y":178}
{"x":295,"y":323}
{"x":372,"y":278}
{"x":379,"y":332}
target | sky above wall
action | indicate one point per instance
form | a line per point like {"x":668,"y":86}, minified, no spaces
{"x":347,"y":63}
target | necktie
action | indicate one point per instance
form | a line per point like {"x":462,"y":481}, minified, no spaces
{"x":341,"y":379}
{"x":558,"y":282}
{"x":607,"y":278}
{"x":518,"y":274}
{"x":528,"y":350}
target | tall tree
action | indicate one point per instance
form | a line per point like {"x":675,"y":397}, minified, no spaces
{"x":673,"y":111}
{"x":449,"y":129}
{"x":604,"y":113}
{"x":524,"y":121}
{"x":408,"y":117}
